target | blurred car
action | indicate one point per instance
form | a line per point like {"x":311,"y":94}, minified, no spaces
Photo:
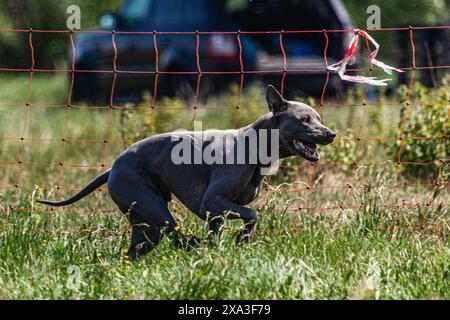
{"x":261,"y":54}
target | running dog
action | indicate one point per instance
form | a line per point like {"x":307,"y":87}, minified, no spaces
{"x":143,"y":178}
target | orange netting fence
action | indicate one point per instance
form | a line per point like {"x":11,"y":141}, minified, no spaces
{"x":105,"y":140}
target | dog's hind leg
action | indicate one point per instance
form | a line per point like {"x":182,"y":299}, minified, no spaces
{"x":144,"y":236}
{"x":151,"y":219}
{"x":147,"y":207}
{"x":215,"y":224}
{"x":148,"y":214}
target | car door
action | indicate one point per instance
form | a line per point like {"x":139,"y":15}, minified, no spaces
{"x":135,"y":51}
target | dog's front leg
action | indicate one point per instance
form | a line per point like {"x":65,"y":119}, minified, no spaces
{"x":219,"y":205}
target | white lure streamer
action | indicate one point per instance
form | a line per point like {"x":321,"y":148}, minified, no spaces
{"x":340,"y":66}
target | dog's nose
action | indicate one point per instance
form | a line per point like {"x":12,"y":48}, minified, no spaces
{"x":331,"y":134}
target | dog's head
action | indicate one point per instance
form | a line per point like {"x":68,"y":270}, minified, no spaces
{"x":299,"y":125}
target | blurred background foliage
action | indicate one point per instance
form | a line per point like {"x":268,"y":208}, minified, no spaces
{"x":45,"y":14}
{"x":429,"y":120}
{"x":397,"y":13}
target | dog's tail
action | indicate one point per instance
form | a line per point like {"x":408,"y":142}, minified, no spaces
{"x":97,"y":182}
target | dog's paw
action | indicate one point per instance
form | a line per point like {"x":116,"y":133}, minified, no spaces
{"x":133,"y":255}
{"x":187,"y":243}
{"x":194,"y":242}
{"x":243,"y":237}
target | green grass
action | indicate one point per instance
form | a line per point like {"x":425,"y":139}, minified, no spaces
{"x":344,"y":253}
{"x":358,"y":260}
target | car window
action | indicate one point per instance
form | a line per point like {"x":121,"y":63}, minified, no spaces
{"x":135,"y":12}
{"x":286,"y":14}
{"x":267,"y":6}
{"x":168,"y":12}
{"x":197,"y":13}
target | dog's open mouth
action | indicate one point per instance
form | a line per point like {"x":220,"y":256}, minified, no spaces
{"x":306,"y":149}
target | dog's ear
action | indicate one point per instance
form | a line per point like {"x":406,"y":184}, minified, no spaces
{"x":275,"y":100}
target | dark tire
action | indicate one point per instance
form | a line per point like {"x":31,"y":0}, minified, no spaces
{"x":176,"y":85}
{"x":85,"y":88}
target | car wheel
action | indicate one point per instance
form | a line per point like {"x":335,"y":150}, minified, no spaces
{"x":176,"y":85}
{"x":85,"y":87}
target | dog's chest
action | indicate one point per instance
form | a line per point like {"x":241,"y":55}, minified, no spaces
{"x":250,"y":191}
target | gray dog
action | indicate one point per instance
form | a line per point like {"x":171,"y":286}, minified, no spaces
{"x":143,"y":178}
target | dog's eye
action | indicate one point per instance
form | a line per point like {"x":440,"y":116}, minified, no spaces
{"x":306,"y":119}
